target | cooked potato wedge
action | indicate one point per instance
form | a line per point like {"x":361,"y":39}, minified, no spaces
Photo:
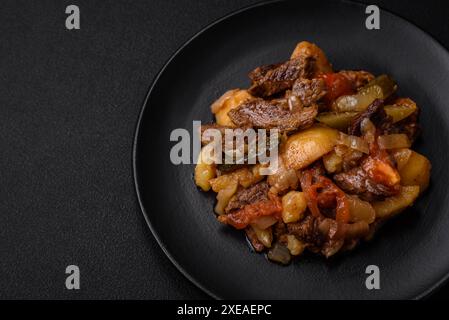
{"x":416,"y":172}
{"x":401,"y":109}
{"x":303,"y":148}
{"x":394,"y":205}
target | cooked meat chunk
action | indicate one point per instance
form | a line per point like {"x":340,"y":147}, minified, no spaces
{"x":255,"y":193}
{"x":260,"y":72}
{"x":309,"y":91}
{"x":272,"y":79}
{"x":279,"y":229}
{"x":307,"y":230}
{"x":259,"y":113}
{"x":255,"y":242}
{"x":358,"y":78}
{"x":357,"y":181}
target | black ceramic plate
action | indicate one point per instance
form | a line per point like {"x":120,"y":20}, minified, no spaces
{"x":411,"y":250}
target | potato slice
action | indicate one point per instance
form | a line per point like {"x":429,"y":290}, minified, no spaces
{"x":394,"y":205}
{"x":416,"y":171}
{"x":303,"y":148}
{"x":401,"y":109}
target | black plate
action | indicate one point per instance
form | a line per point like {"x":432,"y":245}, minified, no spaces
{"x":411,"y":251}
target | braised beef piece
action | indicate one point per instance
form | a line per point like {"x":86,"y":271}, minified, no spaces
{"x":259,"y":113}
{"x":253,"y":194}
{"x":279,"y":229}
{"x":307,"y":230}
{"x":375,"y":112}
{"x":356,"y":181}
{"x":309,"y":91}
{"x":252,"y":238}
{"x":272,"y":79}
{"x":322,"y":235}
{"x":260,"y":72}
{"x":358,"y":78}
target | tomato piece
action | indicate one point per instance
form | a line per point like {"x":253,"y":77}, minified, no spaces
{"x":337,"y":85}
{"x":325,"y":193}
{"x":243,"y":217}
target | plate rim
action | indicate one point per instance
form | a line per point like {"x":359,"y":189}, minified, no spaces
{"x":425,"y":294}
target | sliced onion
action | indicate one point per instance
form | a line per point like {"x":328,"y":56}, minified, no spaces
{"x":294,"y":103}
{"x":264,"y":222}
{"x":368,"y":130}
{"x":263,"y":235}
{"x":279,"y":254}
{"x":361,"y":210}
{"x":354,"y":142}
{"x":394,"y":141}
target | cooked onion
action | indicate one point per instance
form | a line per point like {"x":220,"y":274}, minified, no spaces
{"x":360,"y":210}
{"x":394,"y":141}
{"x":279,"y":254}
{"x":354,"y":142}
{"x":264,"y":222}
{"x":368,"y":130}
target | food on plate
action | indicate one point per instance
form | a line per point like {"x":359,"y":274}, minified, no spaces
{"x":345,"y":162}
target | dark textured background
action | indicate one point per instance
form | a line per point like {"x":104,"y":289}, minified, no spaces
{"x":69,"y":102}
